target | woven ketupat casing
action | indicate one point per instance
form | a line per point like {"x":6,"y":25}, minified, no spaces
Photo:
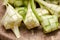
{"x":11,"y":18}
{"x":49,"y":23}
{"x":30,"y":20}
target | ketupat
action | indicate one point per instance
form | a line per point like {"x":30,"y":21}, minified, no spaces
{"x":49,"y":23}
{"x":15,"y":20}
{"x":11,"y":20}
{"x":30,"y":19}
{"x":52,"y":8}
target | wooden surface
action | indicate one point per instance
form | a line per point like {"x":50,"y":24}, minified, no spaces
{"x":36,"y":34}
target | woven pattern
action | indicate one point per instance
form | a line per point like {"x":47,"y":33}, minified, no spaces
{"x":30,"y":20}
{"x":11,"y":18}
{"x":49,"y":22}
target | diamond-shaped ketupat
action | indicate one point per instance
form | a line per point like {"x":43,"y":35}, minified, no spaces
{"x":11,"y":20}
{"x":49,"y":23}
{"x":30,"y":19}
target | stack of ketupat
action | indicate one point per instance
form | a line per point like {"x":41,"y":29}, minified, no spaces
{"x":48,"y":21}
{"x":26,"y":11}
